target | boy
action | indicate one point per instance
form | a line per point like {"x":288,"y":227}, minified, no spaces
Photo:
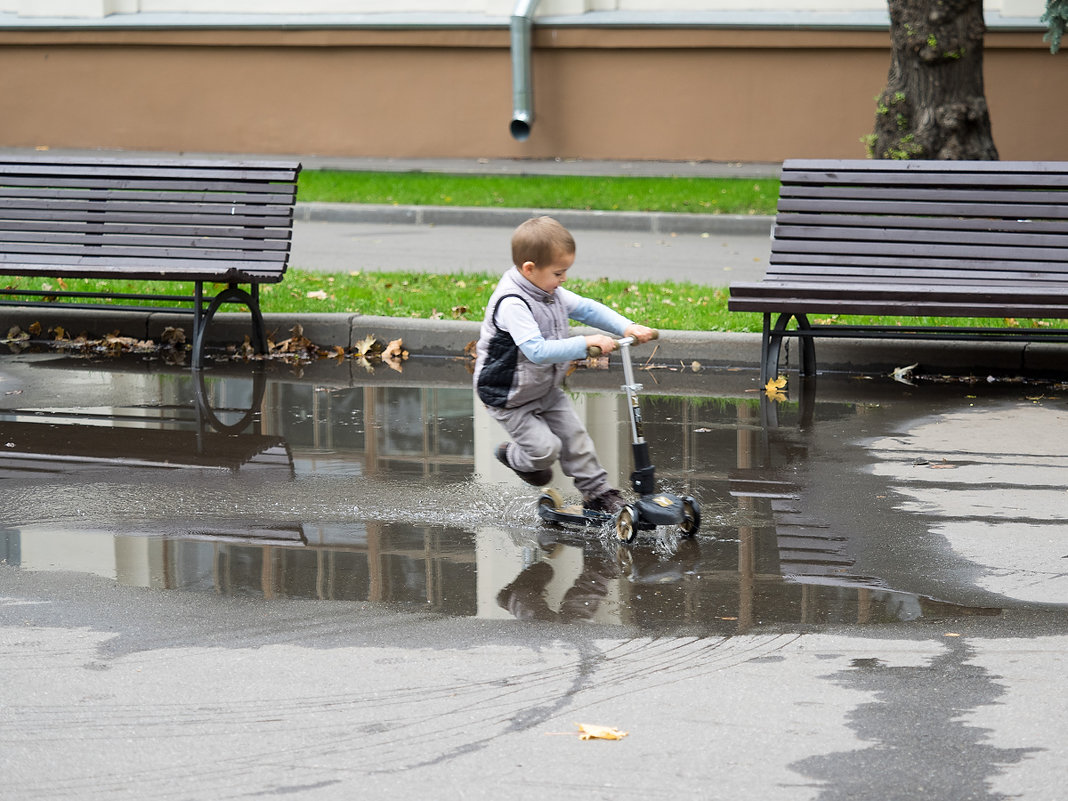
{"x":522,"y":356}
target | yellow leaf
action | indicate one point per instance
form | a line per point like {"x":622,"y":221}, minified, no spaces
{"x":773,"y":389}
{"x":588,"y":731}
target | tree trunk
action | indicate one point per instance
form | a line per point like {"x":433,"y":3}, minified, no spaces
{"x":934,"y":105}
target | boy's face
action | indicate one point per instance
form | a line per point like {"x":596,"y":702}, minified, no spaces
{"x":549,"y":276}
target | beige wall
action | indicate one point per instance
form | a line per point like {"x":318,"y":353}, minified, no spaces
{"x":705,"y":94}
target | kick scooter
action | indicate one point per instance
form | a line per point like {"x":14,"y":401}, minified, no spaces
{"x":652,"y":508}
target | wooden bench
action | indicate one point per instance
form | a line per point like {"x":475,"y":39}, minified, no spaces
{"x":983,"y":239}
{"x":205,"y":222}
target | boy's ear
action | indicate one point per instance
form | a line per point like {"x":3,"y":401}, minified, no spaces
{"x":527,"y":268}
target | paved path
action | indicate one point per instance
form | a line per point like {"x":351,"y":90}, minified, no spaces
{"x":710,"y":258}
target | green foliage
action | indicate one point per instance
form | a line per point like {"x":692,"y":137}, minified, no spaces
{"x":1055,"y":18}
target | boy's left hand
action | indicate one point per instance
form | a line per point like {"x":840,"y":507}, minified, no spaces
{"x":640,"y":333}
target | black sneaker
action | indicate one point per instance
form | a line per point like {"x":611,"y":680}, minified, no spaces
{"x":539,"y":478}
{"x":609,"y":502}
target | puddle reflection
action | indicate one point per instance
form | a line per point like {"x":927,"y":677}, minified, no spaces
{"x":336,"y":485}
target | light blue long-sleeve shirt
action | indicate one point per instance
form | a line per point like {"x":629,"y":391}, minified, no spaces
{"x":528,"y":337}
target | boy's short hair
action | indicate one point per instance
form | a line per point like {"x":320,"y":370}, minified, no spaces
{"x":541,"y":240}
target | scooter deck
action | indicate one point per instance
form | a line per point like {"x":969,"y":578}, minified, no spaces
{"x":573,"y":515}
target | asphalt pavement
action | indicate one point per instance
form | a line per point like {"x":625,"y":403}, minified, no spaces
{"x":711,"y":257}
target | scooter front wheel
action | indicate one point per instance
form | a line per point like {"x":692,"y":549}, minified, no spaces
{"x":627,"y":524}
{"x":691,"y":517}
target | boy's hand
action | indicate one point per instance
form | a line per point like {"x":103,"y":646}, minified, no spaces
{"x":604,"y":343}
{"x":640,"y":333}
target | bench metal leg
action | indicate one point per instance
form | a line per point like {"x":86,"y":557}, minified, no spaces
{"x":231,"y":294}
{"x":771,"y":344}
{"x":808,"y":346}
{"x":771,"y":341}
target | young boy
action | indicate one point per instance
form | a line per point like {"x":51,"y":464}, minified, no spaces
{"x":522,"y":356}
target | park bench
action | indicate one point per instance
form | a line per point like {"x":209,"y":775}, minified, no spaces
{"x":208,"y":222}
{"x":924,"y":239}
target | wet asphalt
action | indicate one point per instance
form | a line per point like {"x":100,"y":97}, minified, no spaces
{"x":115,"y":691}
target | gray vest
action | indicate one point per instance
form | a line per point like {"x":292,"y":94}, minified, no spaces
{"x":504,"y":377}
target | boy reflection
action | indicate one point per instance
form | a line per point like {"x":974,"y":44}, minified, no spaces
{"x":526,"y":596}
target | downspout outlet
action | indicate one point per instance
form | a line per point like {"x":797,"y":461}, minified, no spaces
{"x":522,"y":91}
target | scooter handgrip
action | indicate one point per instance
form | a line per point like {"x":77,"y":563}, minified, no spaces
{"x":656,"y":334}
{"x":593,"y":351}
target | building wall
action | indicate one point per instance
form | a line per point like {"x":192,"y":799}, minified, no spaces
{"x":682,"y":93}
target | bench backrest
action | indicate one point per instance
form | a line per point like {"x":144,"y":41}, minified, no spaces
{"x":952,"y":223}
{"x":145,"y":218}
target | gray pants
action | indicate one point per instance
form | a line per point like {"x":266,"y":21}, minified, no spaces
{"x":548,"y":429}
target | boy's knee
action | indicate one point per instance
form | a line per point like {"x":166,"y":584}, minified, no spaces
{"x":545,"y":455}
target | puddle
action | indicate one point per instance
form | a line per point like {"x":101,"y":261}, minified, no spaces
{"x":869,"y":502}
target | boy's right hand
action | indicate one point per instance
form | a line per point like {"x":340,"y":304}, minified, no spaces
{"x":604,"y":343}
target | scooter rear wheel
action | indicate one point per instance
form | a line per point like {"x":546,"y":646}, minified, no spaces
{"x":627,"y":524}
{"x":691,"y":520}
{"x":551,"y":498}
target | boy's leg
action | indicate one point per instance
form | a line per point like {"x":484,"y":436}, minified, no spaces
{"x":534,"y":447}
{"x":578,"y":458}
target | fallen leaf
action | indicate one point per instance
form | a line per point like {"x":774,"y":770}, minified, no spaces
{"x":395,"y":350}
{"x":943,"y":465}
{"x":773,"y":389}
{"x":903,"y":374}
{"x":588,"y":731}
{"x":364,"y":346}
{"x":317,"y":294}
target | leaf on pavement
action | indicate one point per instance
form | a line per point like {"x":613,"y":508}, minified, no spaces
{"x":588,"y":731}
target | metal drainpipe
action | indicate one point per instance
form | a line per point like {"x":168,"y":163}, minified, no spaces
{"x":522,"y":93}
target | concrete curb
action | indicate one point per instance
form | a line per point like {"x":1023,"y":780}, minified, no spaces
{"x":652,"y":222}
{"x":451,"y":339}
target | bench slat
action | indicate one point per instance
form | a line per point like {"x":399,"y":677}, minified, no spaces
{"x":190,"y":217}
{"x":862,"y":274}
{"x":16,"y":228}
{"x":122,"y":195}
{"x":135,"y":204}
{"x":938,"y":209}
{"x":203,"y":171}
{"x":790,"y":221}
{"x":221,"y":271}
{"x":74,"y":254}
{"x":1018,"y":237}
{"x":921,"y":251}
{"x":16,"y":241}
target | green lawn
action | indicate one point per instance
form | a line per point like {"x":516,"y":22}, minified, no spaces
{"x":695,"y":195}
{"x":661,"y":304}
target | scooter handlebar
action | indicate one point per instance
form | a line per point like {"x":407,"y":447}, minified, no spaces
{"x":593,"y":351}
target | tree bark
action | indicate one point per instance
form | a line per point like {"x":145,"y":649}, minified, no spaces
{"x":934,"y":104}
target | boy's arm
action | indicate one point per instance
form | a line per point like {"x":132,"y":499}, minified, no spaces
{"x":591,"y":312}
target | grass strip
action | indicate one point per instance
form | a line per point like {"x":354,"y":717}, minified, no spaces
{"x":669,"y":305}
{"x":682,"y":194}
